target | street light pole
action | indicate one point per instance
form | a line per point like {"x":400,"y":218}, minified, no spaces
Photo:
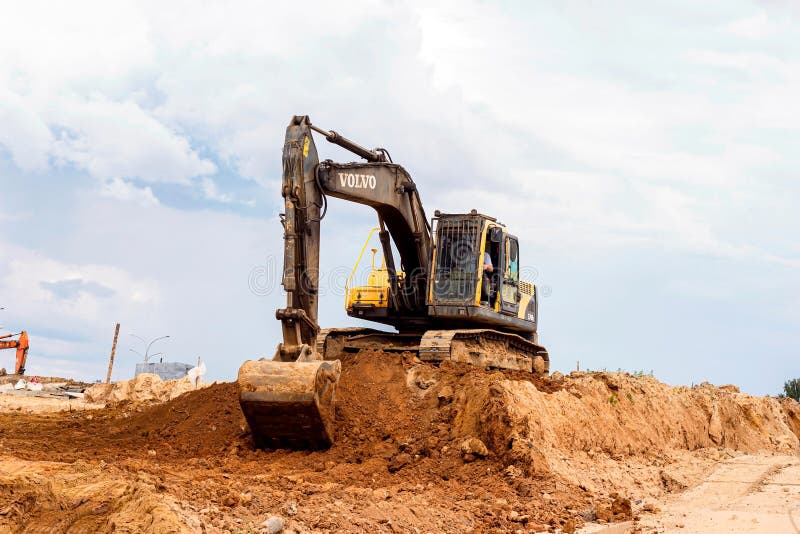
{"x":147,"y":351}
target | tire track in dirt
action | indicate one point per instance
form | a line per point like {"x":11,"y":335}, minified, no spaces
{"x":748,"y":494}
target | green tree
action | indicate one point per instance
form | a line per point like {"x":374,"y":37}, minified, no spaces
{"x":791,"y":389}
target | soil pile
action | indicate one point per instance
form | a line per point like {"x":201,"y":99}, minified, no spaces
{"x":621,"y":414}
{"x":144,"y":387}
{"x":450,"y":448}
{"x":52,"y":497}
{"x":200,"y":423}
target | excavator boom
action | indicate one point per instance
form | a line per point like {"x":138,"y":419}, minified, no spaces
{"x":289,"y":400}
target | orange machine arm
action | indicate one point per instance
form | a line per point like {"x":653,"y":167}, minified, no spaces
{"x":21,"y":345}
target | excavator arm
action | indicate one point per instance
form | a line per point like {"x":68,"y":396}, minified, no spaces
{"x":378,"y":183}
{"x":21,"y":345}
{"x":289,"y":400}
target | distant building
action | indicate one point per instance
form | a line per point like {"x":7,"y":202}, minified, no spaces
{"x":166,"y":370}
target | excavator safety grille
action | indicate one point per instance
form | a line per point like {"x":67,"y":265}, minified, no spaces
{"x":455,"y":276}
{"x":526,"y":288}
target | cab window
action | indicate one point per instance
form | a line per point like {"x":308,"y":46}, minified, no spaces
{"x":512,"y":259}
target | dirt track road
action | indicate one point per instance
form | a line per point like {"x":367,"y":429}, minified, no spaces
{"x":750,"y":493}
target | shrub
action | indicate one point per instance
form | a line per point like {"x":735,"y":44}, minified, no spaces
{"x":791,"y":389}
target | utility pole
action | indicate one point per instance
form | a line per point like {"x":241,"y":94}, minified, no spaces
{"x":113,"y":350}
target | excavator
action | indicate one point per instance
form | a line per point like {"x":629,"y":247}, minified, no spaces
{"x":21,"y":344}
{"x":456,"y":294}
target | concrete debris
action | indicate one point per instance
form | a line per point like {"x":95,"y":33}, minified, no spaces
{"x":273,"y":525}
{"x":36,"y":387}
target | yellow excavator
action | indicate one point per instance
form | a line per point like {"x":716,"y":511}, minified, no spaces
{"x":457,"y":294}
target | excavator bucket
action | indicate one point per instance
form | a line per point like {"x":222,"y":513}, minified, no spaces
{"x":289,"y":404}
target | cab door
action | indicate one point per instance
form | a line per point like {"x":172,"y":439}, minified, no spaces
{"x":509,"y":292}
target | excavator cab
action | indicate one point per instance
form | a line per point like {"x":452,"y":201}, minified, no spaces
{"x":461,"y":288}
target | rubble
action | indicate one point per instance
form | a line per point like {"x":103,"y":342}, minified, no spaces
{"x":42,"y":387}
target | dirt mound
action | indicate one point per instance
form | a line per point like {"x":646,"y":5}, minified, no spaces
{"x":144,"y":387}
{"x":56,"y":498}
{"x":204,"y":422}
{"x":448,"y":448}
{"x":620,"y":414}
{"x":791,"y":410}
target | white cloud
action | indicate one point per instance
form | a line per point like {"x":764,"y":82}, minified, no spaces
{"x":212,"y":193}
{"x":24,"y":135}
{"x":71,"y":79}
{"x":80,"y":47}
{"x":751,"y":27}
{"x":120,"y":139}
{"x":27,"y":281}
{"x":121,"y":190}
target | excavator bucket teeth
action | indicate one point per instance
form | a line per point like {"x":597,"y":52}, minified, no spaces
{"x":289,"y":404}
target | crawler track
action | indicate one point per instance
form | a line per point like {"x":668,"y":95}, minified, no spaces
{"x":480,"y":347}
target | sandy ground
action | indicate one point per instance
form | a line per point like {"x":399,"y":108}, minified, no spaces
{"x":419,"y":449}
{"x":747,"y":494}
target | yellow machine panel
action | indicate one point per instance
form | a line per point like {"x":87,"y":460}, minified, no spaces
{"x":375,"y":294}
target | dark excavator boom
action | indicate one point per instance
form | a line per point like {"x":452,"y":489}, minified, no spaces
{"x":289,"y":400}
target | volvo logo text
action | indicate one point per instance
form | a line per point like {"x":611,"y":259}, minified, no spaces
{"x":357,"y":181}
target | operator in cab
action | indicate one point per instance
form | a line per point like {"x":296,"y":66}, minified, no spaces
{"x":486,"y":286}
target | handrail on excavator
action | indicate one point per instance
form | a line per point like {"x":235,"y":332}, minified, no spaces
{"x":358,"y":261}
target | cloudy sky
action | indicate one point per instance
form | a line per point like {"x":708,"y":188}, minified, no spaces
{"x":645,"y":153}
